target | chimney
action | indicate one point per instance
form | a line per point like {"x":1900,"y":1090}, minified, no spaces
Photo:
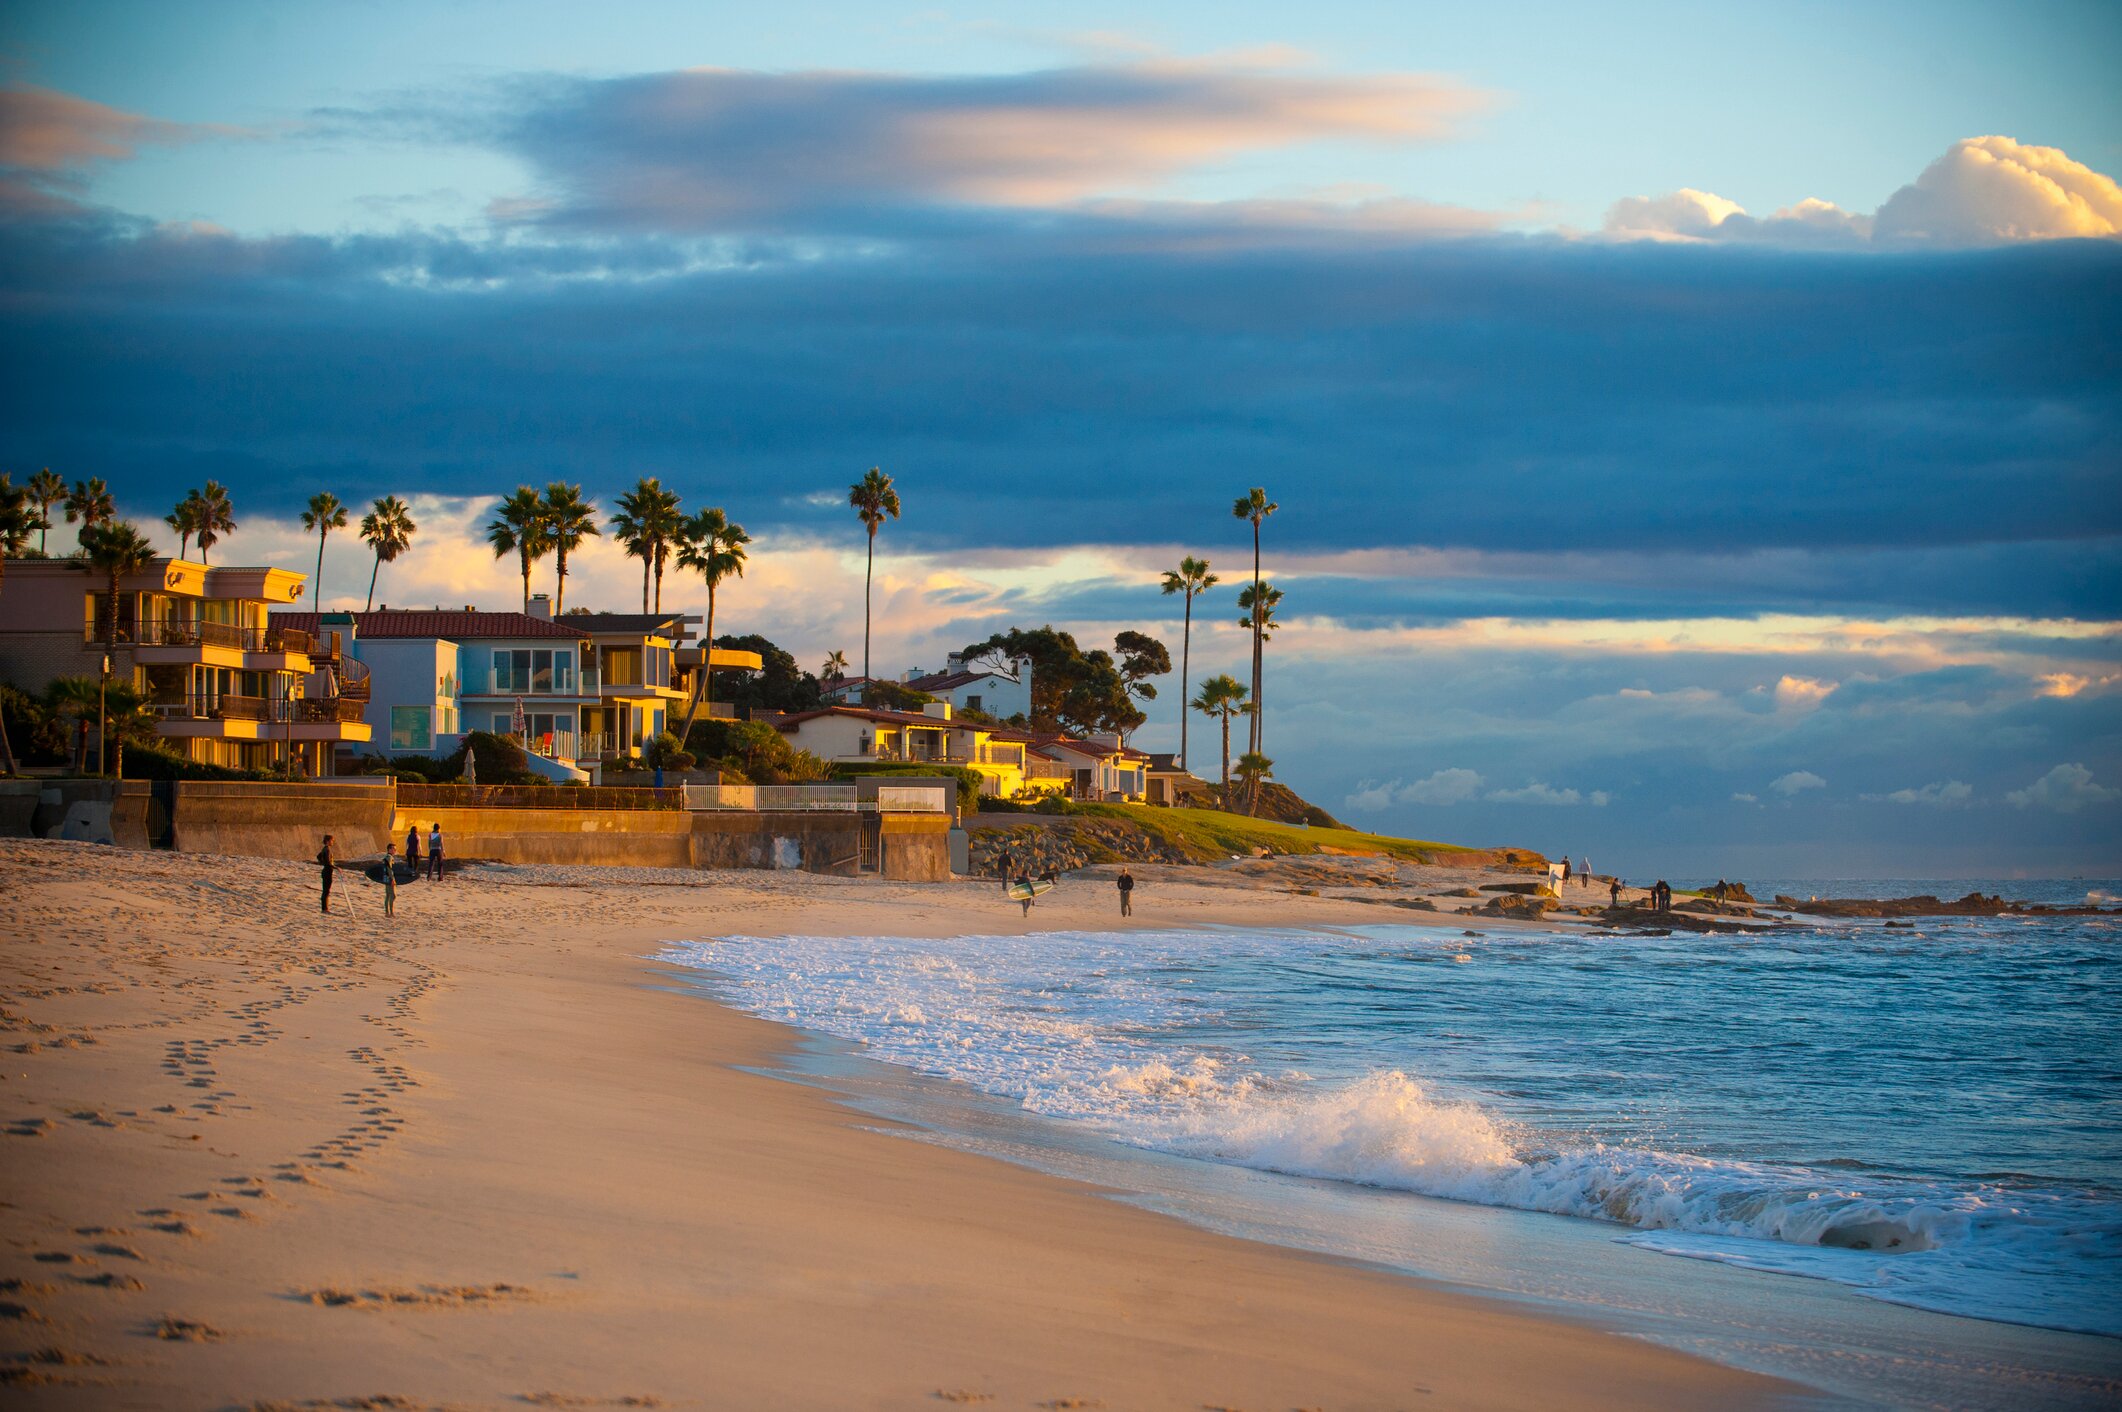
{"x":937,"y":710}
{"x":912,"y":674}
{"x":955,"y":663}
{"x":541,"y":606}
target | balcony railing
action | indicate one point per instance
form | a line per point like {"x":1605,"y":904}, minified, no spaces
{"x":478,"y":683}
{"x":231,"y":707}
{"x":185,"y":632}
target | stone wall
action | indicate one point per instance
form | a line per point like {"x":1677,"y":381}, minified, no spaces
{"x":820,"y":842}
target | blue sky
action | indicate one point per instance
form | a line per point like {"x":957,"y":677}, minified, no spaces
{"x":1697,"y":430}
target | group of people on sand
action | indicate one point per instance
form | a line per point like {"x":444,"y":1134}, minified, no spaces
{"x":328,"y":862}
{"x":1011,"y":879}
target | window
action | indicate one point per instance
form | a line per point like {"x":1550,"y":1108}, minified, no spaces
{"x":542,"y":669}
{"x":972,"y":703}
{"x":412,"y":728}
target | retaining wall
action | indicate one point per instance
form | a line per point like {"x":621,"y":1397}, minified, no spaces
{"x":916,"y":847}
{"x":263,"y":819}
{"x":814,"y":842}
{"x":640,"y":838}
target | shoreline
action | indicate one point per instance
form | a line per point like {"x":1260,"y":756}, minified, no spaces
{"x":491,"y":1154}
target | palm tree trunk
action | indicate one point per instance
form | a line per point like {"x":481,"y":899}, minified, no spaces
{"x":524,"y":556}
{"x":1226,"y":759}
{"x":868,"y":574}
{"x":644,"y":580}
{"x":316,"y":588}
{"x":1254,"y":733}
{"x":372,"y":584}
{"x":1186,"y":658}
{"x":560,"y":582}
{"x":660,"y":551}
{"x":184,"y":542}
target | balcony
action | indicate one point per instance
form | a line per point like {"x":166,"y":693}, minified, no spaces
{"x":487,"y":683}
{"x":180,"y":642}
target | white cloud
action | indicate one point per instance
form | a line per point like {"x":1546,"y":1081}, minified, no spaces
{"x":1452,"y":786}
{"x":1982,"y":191}
{"x":1797,"y":780}
{"x":1939,"y":794}
{"x":1802,"y":693}
{"x":1746,"y":799}
{"x":1990,"y":189}
{"x":2065,"y":789}
{"x":1540,"y":792}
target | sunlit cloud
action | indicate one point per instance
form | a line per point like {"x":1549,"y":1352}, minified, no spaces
{"x":1982,"y":191}
{"x":2065,"y":789}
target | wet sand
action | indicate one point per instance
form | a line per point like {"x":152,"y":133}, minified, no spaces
{"x":482,"y":1156}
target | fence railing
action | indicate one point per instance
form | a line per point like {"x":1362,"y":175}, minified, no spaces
{"x":191,"y":632}
{"x":815,"y":798}
{"x":517,"y":796}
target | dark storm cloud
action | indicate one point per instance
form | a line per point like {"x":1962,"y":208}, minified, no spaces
{"x":1818,"y":431}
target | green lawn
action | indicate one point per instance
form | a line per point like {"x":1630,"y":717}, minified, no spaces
{"x":1211,"y":831}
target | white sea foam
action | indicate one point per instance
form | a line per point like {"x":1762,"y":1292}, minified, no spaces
{"x":1096,"y":1029}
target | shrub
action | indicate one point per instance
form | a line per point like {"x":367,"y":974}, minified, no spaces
{"x":665,"y":753}
{"x":754,"y":751}
{"x":147,"y":762}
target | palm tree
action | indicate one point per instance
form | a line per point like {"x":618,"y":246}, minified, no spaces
{"x":89,"y":502}
{"x":126,"y":713}
{"x":714,"y":547}
{"x":116,"y":550}
{"x":324,"y":515}
{"x":1222,"y":696}
{"x":388,"y":529}
{"x":74,"y":698}
{"x":1190,"y":578}
{"x":217,"y":517}
{"x":873,"y":498}
{"x":17,"y":520}
{"x":518,"y":527}
{"x":649,"y":526}
{"x":47,"y":488}
{"x":1255,"y":506}
{"x":1263,"y":623}
{"x":1253,"y":767}
{"x":569,"y":519}
{"x":835,"y":668}
{"x":185,"y":520}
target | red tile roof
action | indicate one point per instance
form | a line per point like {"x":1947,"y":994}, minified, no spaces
{"x":868,"y":713}
{"x":426,"y":622}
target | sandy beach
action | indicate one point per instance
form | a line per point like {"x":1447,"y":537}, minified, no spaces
{"x":483,"y":1155}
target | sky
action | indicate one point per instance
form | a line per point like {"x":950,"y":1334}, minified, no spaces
{"x":1697,"y":431}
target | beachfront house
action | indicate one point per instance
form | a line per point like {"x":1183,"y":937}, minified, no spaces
{"x":579,"y":691}
{"x":227,"y":684}
{"x":1098,"y":766}
{"x":932,"y":736}
{"x":1003,"y":692}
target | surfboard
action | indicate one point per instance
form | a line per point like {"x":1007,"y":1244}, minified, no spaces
{"x":1020,"y":891}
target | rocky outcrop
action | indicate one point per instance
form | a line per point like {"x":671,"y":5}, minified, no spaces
{"x":1066,"y":845}
{"x":1924,"y":905}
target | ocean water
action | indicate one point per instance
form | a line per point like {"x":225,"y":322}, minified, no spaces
{"x":1928,"y":1116}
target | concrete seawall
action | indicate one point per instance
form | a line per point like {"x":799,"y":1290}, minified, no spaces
{"x":265,"y":819}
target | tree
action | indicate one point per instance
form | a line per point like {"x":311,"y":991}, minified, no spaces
{"x":779,"y":684}
{"x":324,"y":515}
{"x":872,"y":498}
{"x":217,"y":517}
{"x":835,"y":668}
{"x":1141,"y":657}
{"x":89,"y":502}
{"x":518,"y":527}
{"x":1263,"y":623}
{"x":1255,"y":506}
{"x":1222,"y":696}
{"x":648,"y":526}
{"x":713,"y":547}
{"x":894,"y":696}
{"x":1072,"y":690}
{"x":569,"y":519}
{"x":72,"y":699}
{"x":184,"y":519}
{"x":116,"y":550}
{"x":1253,"y":767}
{"x":388,"y":529}
{"x":47,"y":488}
{"x":127,"y":716}
{"x":1193,"y":579}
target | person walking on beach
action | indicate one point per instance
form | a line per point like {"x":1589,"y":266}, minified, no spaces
{"x":1127,"y":893}
{"x":1614,"y":893}
{"x":1565,"y":868}
{"x":1584,"y":870}
{"x":390,"y":879}
{"x":1003,"y":869}
{"x":434,"y":852}
{"x":324,"y":867}
{"x":412,"y":850}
